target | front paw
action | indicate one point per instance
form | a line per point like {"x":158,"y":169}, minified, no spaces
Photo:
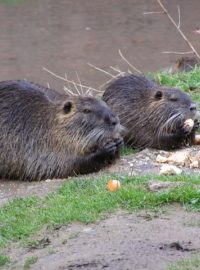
{"x":119,"y":142}
{"x":108,"y":150}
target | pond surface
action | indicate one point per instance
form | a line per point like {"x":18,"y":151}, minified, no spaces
{"x":65,"y":35}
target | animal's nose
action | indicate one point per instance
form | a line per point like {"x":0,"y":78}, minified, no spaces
{"x":112,"y":119}
{"x":193,"y":107}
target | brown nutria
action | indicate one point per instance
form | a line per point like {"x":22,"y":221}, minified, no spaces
{"x":153,"y":115}
{"x":43,"y":136}
{"x":183,"y":64}
{"x":186,"y":64}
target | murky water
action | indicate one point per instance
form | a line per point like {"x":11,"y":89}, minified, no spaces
{"x":65,"y":35}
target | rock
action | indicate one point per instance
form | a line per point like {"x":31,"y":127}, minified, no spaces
{"x":167,"y":169}
{"x":161,"y":159}
{"x":181,"y":158}
{"x":155,"y":185}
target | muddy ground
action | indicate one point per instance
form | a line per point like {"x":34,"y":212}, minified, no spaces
{"x":123,"y":241}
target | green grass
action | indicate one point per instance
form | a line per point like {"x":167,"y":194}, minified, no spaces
{"x":125,"y":151}
{"x":186,"y":264}
{"x":4,"y":260}
{"x":86,"y":200}
{"x":29,"y":261}
{"x":188,"y":81}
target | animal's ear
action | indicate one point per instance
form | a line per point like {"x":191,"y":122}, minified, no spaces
{"x":158,"y":95}
{"x":67,"y":107}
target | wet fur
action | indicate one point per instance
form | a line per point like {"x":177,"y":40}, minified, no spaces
{"x":153,"y":115}
{"x":46,"y":135}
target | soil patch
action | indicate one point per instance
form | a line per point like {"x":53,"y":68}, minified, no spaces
{"x":124,"y":241}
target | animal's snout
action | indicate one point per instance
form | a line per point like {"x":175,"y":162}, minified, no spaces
{"x":111,"y":119}
{"x":193,"y":107}
{"x":114,"y":121}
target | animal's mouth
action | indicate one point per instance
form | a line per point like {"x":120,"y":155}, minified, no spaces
{"x":172,"y":123}
{"x":119,"y":131}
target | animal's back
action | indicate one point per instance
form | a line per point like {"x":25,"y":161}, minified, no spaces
{"x":21,"y":125}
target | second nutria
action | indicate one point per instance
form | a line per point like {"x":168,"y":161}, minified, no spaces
{"x":153,"y":115}
{"x":183,"y":64}
{"x":43,"y":136}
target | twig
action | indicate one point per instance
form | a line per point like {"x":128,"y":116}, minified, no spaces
{"x":134,"y":68}
{"x":153,"y":12}
{"x":178,"y":52}
{"x":76,"y":87}
{"x":69,"y":86}
{"x":179,"y":17}
{"x":79,"y":82}
{"x":71,"y":82}
{"x":115,"y":69}
{"x":115,"y":77}
{"x":178,"y":29}
{"x":68,"y":91}
{"x":97,"y":68}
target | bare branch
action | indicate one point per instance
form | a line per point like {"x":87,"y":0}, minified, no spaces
{"x":71,"y":82}
{"x":179,"y":17}
{"x":133,"y":67}
{"x":190,"y":52}
{"x":79,"y":82}
{"x":115,"y":77}
{"x":178,"y":29}
{"x":153,"y":12}
{"x":100,"y":69}
{"x":68,"y":91}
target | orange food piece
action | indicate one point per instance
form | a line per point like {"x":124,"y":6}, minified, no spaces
{"x":113,"y":185}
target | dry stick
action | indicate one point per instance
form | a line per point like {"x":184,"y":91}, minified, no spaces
{"x":178,"y":52}
{"x":178,"y":29}
{"x":115,"y":69}
{"x":102,"y":70}
{"x":179,"y":17}
{"x":79,"y":83}
{"x":153,"y":12}
{"x":115,"y":77}
{"x":133,"y":67}
{"x":69,"y":86}
{"x":71,"y":82}
{"x":69,"y":92}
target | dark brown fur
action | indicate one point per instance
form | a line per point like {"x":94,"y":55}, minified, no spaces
{"x":46,"y":135}
{"x":153,"y":115}
{"x":186,"y":64}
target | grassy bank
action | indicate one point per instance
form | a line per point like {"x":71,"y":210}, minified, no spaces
{"x":86,"y":200}
{"x":188,"y":82}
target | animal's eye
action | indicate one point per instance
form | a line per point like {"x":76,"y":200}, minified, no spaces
{"x":158,"y":95}
{"x":87,"y":111}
